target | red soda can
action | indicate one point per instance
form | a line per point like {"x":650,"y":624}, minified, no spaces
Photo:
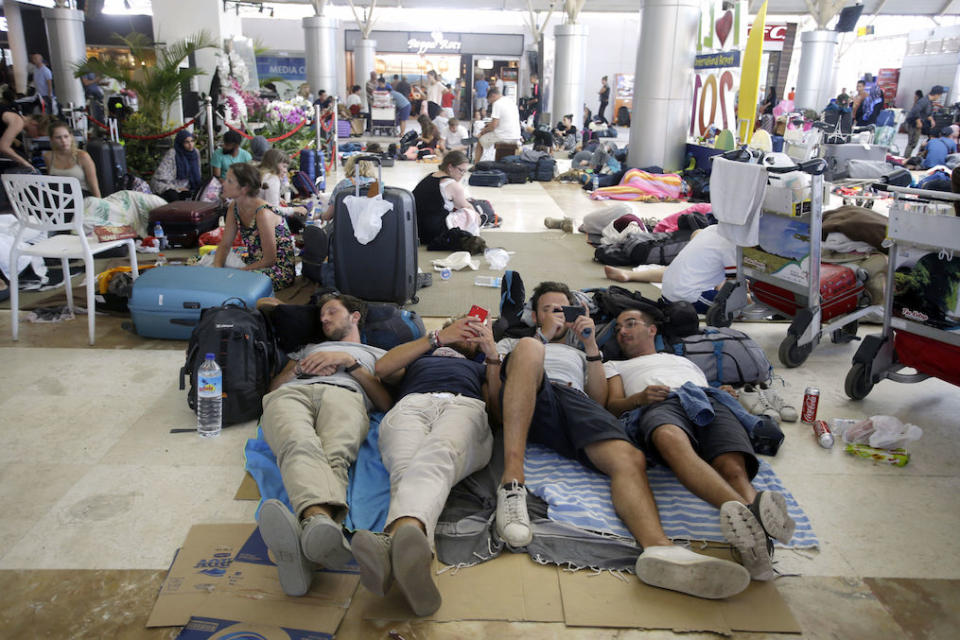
{"x":822,"y":432}
{"x":811,"y":400}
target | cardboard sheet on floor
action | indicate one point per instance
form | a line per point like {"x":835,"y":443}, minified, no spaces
{"x":222,"y":571}
{"x":248,"y":489}
{"x":606,"y":601}
{"x":511,"y":587}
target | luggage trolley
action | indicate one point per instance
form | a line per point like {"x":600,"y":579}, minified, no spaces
{"x":926,"y":338}
{"x":383,"y":115}
{"x":801,"y":301}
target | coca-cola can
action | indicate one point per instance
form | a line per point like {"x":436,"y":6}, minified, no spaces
{"x":811,"y":400}
{"x":822,"y":432}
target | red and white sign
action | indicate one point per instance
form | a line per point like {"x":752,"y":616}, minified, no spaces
{"x":774,"y":36}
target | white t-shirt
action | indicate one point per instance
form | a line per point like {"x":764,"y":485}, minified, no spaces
{"x":353,"y":99}
{"x":657,"y":368}
{"x":700,"y":266}
{"x":561,"y":362}
{"x":435,"y":92}
{"x":271,"y":194}
{"x":508,"y":119}
{"x":453,"y":138}
{"x":366,"y":355}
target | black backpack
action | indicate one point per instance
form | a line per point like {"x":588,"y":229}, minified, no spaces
{"x":623,"y":117}
{"x":246,"y":351}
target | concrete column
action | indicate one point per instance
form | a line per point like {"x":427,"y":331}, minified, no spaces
{"x":663,"y":83}
{"x":320,"y":42}
{"x":570,"y":71}
{"x":67,"y":48}
{"x":18,"y":44}
{"x":364,"y":61}
{"x":815,"y":78}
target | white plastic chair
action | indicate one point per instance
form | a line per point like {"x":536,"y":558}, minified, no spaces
{"x":53,"y":203}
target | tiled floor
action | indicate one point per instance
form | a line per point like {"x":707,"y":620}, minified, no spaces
{"x":92,"y":479}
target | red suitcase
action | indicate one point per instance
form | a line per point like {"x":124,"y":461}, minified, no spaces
{"x":184,"y":221}
{"x":926,"y":355}
{"x":839,"y":292}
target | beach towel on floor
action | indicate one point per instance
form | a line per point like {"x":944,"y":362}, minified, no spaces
{"x":639,"y":186}
{"x":368,"y":491}
{"x":683,"y":515}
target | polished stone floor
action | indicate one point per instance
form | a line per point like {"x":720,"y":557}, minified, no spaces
{"x":96,"y":493}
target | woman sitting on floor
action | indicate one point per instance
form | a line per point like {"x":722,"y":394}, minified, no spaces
{"x":118,"y":209}
{"x":268,"y":241}
{"x":429,"y":137}
{"x":178,"y":175}
{"x":275,"y":189}
{"x":439,"y":194}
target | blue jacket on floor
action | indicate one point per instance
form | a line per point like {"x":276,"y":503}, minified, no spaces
{"x":695,"y":401}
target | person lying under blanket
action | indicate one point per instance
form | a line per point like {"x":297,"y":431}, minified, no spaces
{"x":554,"y":391}
{"x":665,"y":398}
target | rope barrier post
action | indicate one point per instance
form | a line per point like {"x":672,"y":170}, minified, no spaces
{"x":208,"y":112}
{"x":318,"y":128}
{"x":335,"y":132}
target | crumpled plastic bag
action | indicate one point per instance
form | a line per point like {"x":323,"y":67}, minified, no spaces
{"x":365,"y":214}
{"x":882,"y":432}
{"x":233,"y":260}
{"x":497,"y":258}
{"x":455,"y":262}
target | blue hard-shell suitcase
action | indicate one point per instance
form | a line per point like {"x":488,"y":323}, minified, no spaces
{"x":493,"y":178}
{"x":166,"y":301}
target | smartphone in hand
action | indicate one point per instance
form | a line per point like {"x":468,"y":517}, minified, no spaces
{"x":570,"y":314}
{"x":478,"y":312}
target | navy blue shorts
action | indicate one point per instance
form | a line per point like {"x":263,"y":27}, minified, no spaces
{"x":568,"y":420}
{"x":724,"y":435}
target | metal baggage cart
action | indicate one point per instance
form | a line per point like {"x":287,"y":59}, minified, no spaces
{"x":919,"y":219}
{"x":807,"y":327}
{"x":383,"y":121}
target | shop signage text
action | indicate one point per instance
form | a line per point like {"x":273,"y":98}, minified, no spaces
{"x":438,"y":42}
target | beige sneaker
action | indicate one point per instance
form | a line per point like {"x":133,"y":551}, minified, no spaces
{"x":372,"y":552}
{"x":679,"y":569}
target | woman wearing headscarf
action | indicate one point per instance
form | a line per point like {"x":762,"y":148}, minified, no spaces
{"x":178,"y":175}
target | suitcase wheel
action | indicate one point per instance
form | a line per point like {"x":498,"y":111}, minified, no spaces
{"x":791,"y":354}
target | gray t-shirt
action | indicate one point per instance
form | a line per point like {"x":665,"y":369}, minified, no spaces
{"x":561,"y":362}
{"x":366,"y":355}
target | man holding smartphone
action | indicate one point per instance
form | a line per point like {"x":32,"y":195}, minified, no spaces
{"x":554,"y":392}
{"x":436,"y":435}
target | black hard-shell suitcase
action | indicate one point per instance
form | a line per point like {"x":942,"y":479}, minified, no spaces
{"x":384,"y":269}
{"x":495,"y":178}
{"x":110,"y":160}
{"x":518,"y":172}
{"x":316,"y":248}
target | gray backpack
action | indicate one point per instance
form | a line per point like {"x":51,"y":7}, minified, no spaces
{"x":725,"y":355}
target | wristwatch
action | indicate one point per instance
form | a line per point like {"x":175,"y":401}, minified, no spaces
{"x":356,"y":365}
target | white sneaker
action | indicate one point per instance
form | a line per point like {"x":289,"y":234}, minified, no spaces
{"x":786,"y":412}
{"x":748,"y":537}
{"x":749,"y":397}
{"x":679,"y":569}
{"x":513,"y":522}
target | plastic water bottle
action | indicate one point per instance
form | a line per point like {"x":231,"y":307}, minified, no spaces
{"x":596,"y":182}
{"x":161,"y":260}
{"x":160,"y":236}
{"x":209,"y":398}
{"x":487,"y":281}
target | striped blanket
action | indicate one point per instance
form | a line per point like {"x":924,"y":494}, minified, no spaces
{"x":639,"y":186}
{"x":581,"y":497}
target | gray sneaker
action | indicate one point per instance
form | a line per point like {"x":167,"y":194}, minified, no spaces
{"x":771,"y":400}
{"x":513,"y":522}
{"x":747,"y":536}
{"x":372,"y":552}
{"x":412,"y":559}
{"x":322,"y":542}
{"x":770,"y":508}
{"x":281,"y":533}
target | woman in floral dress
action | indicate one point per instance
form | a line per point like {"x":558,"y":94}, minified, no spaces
{"x":266,"y":237}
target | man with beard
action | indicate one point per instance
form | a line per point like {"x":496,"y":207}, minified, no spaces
{"x":314,"y":420}
{"x":435,"y":436}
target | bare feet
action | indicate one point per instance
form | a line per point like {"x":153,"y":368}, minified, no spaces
{"x":619,"y":275}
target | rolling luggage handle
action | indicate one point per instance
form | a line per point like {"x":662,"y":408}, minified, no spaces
{"x":371,"y":158}
{"x":943,"y":196}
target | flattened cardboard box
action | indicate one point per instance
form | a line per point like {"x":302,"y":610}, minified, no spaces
{"x":223,"y":572}
{"x":200,"y":628}
{"x":510,"y":587}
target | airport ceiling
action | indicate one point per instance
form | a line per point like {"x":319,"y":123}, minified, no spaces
{"x":775,"y":7}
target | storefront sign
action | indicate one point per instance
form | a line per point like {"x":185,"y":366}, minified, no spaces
{"x":717,"y":60}
{"x":282,"y":67}
{"x":438,"y":42}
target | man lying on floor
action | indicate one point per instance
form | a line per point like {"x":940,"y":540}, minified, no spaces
{"x":699,"y":433}
{"x":554,"y":394}
{"x":435,"y":436}
{"x":314,"y":420}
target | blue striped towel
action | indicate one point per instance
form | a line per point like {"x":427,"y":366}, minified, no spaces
{"x":581,"y":497}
